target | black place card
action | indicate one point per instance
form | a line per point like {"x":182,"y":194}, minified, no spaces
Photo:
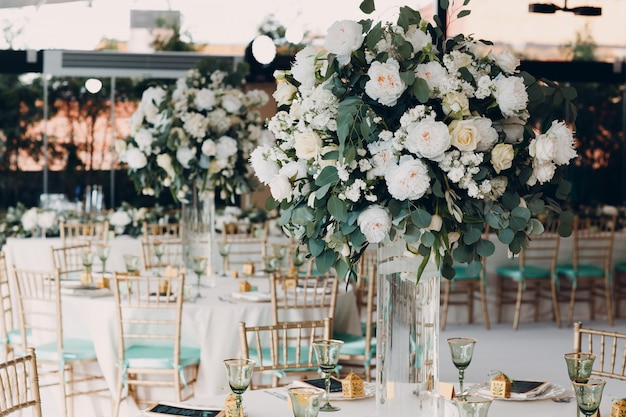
{"x":181,"y":410}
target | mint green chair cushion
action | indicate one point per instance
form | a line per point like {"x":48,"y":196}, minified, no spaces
{"x":354,"y":345}
{"x":583,"y":271}
{"x":159,"y":357}
{"x":529,"y":272}
{"x":14,"y":337}
{"x":621,"y":267}
{"x":460,"y":273}
{"x":291,"y":356}
{"x":73,"y":350}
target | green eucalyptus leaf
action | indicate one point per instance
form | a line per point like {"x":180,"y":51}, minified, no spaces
{"x":420,"y":90}
{"x":428,"y":239}
{"x":316,"y":247}
{"x":535,"y":227}
{"x":337,"y":208}
{"x":421,"y":218}
{"x":324,"y":261}
{"x":485,"y":248}
{"x":367,"y":6}
{"x":506,"y":236}
{"x":474,"y":268}
{"x":328,"y":175}
{"x":471,"y":236}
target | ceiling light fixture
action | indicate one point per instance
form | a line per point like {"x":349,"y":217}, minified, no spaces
{"x":552,"y":8}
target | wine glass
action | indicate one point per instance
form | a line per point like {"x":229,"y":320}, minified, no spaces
{"x":103,"y":251}
{"x":327,"y":354}
{"x":87,"y":258}
{"x":132,"y":263}
{"x":270,"y":264}
{"x":224,"y":248}
{"x":579,"y":364}
{"x":198,"y":264}
{"x":280,"y":251}
{"x":298,"y":260}
{"x":588,"y":394}
{"x":239,"y":376}
{"x":159,"y":251}
{"x":472,"y":405}
{"x":462,"y":349}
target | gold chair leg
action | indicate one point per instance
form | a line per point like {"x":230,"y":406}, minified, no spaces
{"x":555,"y":304}
{"x":470,"y":302}
{"x":483,"y":301}
{"x":499,"y":299}
{"x":572,"y":301}
{"x":518,"y":304}
{"x":607,"y":296}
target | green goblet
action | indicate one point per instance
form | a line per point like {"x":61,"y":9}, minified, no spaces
{"x":462,"y":349}
{"x":588,"y":394}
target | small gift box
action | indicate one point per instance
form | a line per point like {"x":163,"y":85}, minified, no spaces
{"x":230,"y":407}
{"x":501,"y":386}
{"x":352,"y":386}
{"x":618,"y":409}
{"x":245,"y":286}
{"x":248,"y":268}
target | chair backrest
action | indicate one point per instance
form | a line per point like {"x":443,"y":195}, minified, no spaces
{"x":19,"y":385}
{"x":278,"y":347}
{"x":542,"y":250}
{"x":609,"y":348}
{"x":6,"y":305}
{"x":308,"y":297}
{"x":171,"y":253}
{"x":96,"y":231}
{"x":149,"y":311}
{"x":248,"y":244}
{"x":593,"y":241}
{"x":161,"y":231}
{"x":39,"y":307}
{"x":68,"y":258}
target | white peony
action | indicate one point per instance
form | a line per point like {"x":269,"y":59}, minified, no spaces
{"x":385,"y":84}
{"x":344,"y":37}
{"x":487,"y":135}
{"x":303,"y":69}
{"x":151,"y":99}
{"x":280,"y":187}
{"x":208,"y":147}
{"x":47,"y":219}
{"x":225,"y":147}
{"x":120,"y":218}
{"x":375,"y":223}
{"x":512,"y":127}
{"x":434,"y":74}
{"x":542,"y":173}
{"x":542,"y":148}
{"x":205,"y":99}
{"x":408,"y":180}
{"x":144,"y":139}
{"x":511,"y":95}
{"x":29,"y":219}
{"x":428,"y":139}
{"x":564,"y":146}
{"x":135,"y":158}
{"x":507,"y":62}
{"x":265,"y":169}
{"x":231,"y":103}
{"x":418,"y":38}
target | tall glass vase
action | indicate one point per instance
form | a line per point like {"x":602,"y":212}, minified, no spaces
{"x":407,"y":334}
{"x":198,"y":236}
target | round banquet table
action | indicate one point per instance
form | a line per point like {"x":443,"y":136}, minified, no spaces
{"x":210,"y":323}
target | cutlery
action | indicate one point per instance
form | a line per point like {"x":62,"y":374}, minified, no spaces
{"x":226,"y":300}
{"x":276,"y":394}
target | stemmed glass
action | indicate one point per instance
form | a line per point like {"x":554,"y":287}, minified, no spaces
{"x":239,"y":376}
{"x":588,"y":394}
{"x":579,"y":364}
{"x":224,"y":249}
{"x":103,"y":251}
{"x":462,"y":349}
{"x":132,"y":263}
{"x":279,"y":252}
{"x":298,"y":260}
{"x":327,"y":354}
{"x":198,"y":264}
{"x":87,"y":258}
{"x":159,"y":251}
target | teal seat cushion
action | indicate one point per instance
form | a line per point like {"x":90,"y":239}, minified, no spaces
{"x":460,"y":273}
{"x":584,"y":271}
{"x":621,"y":267}
{"x":159,"y":357}
{"x":353,"y":344}
{"x":73,"y":350}
{"x":14,"y":337}
{"x":529,"y":272}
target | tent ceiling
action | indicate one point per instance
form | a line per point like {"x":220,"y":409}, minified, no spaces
{"x":6,"y":4}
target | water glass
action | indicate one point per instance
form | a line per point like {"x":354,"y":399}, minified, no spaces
{"x":132,"y":263}
{"x":588,"y":394}
{"x":472,"y":405}
{"x":305,"y":401}
{"x":579,"y":364}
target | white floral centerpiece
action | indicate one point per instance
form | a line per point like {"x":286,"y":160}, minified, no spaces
{"x":198,"y":134}
{"x":394,"y":129}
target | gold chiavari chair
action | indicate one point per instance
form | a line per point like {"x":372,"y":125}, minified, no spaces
{"x":96,"y":231}
{"x":68,"y":259}
{"x":68,"y":363}
{"x":248,"y":243}
{"x":609,"y":348}
{"x":157,"y":255}
{"x":283,"y":349}
{"x":161,"y":231}
{"x":9,"y":331}
{"x":19,"y":385}
{"x":150,"y":354}
{"x":536,"y":272}
{"x":588,"y":277}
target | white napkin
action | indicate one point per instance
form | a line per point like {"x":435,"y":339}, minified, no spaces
{"x":255,"y":296}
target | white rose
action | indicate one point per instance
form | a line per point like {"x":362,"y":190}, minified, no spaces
{"x":264,"y":169}
{"x":29,"y":219}
{"x":455,"y":104}
{"x":564,"y":146}
{"x":502,"y":157}
{"x":208,"y":147}
{"x":284,"y":94}
{"x":294,"y":170}
{"x":542,"y":172}
{"x":507,"y":62}
{"x":136,"y":159}
{"x":144,"y":139}
{"x":428,"y":139}
{"x":511,"y":95}
{"x":280,"y":187}
{"x":344,"y":37}
{"x":408,"y":180}
{"x":375,"y":223}
{"x":205,"y":99}
{"x":385,"y":84}
{"x":307,"y":145}
{"x":185,"y":155}
{"x":231,"y":103}
{"x":464,"y":135}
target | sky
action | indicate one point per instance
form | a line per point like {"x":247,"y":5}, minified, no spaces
{"x":76,"y":25}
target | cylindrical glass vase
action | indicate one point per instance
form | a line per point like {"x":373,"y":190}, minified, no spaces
{"x":407,"y":334}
